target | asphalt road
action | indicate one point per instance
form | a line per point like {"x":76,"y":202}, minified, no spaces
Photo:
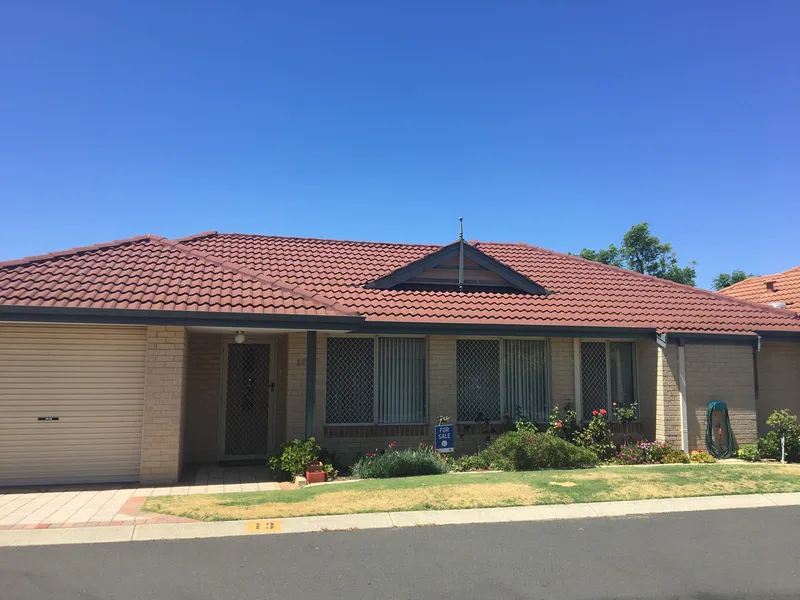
{"x":719,"y":555}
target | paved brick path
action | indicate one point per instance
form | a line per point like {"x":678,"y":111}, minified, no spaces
{"x":104,"y":506}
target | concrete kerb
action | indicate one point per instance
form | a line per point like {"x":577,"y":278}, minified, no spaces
{"x":183,"y":531}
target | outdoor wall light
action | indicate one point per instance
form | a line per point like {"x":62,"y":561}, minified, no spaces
{"x":239,"y":337}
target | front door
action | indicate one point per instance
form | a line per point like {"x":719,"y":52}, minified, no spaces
{"x":246,"y":405}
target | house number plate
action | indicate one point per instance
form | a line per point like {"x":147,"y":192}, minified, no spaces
{"x":263,"y":527}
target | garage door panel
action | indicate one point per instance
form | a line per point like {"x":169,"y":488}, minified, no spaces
{"x":92,"y":379}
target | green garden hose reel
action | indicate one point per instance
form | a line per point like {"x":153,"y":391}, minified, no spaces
{"x":719,"y":435}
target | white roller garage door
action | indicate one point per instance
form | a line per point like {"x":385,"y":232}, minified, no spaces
{"x":71,"y":400}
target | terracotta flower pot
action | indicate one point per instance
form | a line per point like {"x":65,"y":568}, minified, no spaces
{"x":315,"y":473}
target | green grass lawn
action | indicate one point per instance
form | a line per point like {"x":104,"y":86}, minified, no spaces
{"x":484,"y":490}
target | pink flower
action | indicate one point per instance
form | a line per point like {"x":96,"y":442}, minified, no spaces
{"x":594,"y":413}
{"x":603,"y":412}
{"x":559,"y":424}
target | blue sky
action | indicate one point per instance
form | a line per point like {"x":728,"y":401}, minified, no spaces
{"x":559,"y":124}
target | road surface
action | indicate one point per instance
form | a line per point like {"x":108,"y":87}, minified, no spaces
{"x":751,"y":554}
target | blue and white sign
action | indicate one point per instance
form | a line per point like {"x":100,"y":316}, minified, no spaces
{"x":445,"y":438}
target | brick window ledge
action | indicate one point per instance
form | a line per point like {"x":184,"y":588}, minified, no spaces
{"x":377,"y":431}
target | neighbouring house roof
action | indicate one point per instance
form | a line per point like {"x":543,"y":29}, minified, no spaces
{"x":781,"y":287}
{"x":254,"y":274}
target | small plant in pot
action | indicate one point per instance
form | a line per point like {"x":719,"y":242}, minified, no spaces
{"x":315,"y":472}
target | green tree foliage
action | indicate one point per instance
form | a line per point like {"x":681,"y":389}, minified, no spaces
{"x":724,"y":280}
{"x":644,"y":253}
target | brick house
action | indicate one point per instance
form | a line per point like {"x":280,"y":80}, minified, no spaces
{"x":124,"y":361}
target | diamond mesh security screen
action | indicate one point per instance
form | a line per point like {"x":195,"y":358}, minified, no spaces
{"x":623,"y":380}
{"x":350,"y":381}
{"x":594,"y":377}
{"x":478,"y":380}
{"x":247,"y":400}
{"x":525,"y":384}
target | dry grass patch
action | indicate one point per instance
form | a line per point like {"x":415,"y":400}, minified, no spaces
{"x":476,"y":495}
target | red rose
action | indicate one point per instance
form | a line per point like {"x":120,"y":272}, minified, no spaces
{"x":594,"y":413}
{"x":603,"y":412}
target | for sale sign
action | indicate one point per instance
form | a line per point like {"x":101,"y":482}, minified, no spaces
{"x":445,"y":438}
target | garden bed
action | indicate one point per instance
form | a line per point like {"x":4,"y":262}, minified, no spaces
{"x":486,"y":490}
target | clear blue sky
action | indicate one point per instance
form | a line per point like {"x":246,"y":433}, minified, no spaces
{"x":559,"y":124}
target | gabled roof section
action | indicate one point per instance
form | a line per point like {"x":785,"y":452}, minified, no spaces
{"x":439,"y":271}
{"x":153,"y":273}
{"x":780,"y":288}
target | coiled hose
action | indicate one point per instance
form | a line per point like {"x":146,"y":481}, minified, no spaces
{"x":713,"y":450}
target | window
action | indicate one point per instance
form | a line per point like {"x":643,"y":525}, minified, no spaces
{"x":495,"y":377}
{"x":375,"y":380}
{"x":608,"y":375}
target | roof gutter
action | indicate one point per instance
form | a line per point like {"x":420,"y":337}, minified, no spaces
{"x":63,"y":314}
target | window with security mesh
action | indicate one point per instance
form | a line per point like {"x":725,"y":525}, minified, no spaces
{"x":495,"y":377}
{"x":608,"y":376}
{"x":478,"y":380}
{"x":525,"y":382}
{"x":350,"y":381}
{"x":375,"y":380}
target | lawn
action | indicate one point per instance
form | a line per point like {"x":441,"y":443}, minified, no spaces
{"x":484,"y":490}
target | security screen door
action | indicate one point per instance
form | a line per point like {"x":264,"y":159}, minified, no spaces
{"x":247,"y":399}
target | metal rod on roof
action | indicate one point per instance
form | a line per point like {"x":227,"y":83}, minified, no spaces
{"x":460,"y":254}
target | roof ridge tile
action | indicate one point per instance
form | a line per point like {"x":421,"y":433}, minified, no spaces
{"x":26,"y":260}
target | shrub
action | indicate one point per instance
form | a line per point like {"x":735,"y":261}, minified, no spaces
{"x":469,"y":462}
{"x":530,"y":451}
{"x":674,"y":456}
{"x":749,"y":452}
{"x":769,"y":446}
{"x":597,"y":437}
{"x":564,"y":426}
{"x":295,"y":456}
{"x":643,"y":452}
{"x":632,"y":454}
{"x":425,"y":460}
{"x":698,"y":456}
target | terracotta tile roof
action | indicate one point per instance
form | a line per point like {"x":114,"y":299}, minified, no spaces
{"x":152,"y":273}
{"x":781,"y":287}
{"x":584,"y":293}
{"x":249,"y":274}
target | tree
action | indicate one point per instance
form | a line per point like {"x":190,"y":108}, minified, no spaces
{"x":644,"y":253}
{"x":724,"y":280}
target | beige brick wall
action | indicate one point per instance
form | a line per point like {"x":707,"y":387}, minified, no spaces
{"x":562,"y":372}
{"x":778,"y":380}
{"x":667,"y":401}
{"x":647,"y":378}
{"x":201,"y":442}
{"x":281,"y":374}
{"x":296,"y":386}
{"x":164,"y":403}
{"x":720,"y":372}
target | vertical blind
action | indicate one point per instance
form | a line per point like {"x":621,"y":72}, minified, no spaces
{"x":375,"y":380}
{"x":495,"y":377}
{"x":400,"y":374}
{"x":526,"y":379}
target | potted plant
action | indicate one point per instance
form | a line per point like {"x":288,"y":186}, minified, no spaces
{"x":315,"y":472}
